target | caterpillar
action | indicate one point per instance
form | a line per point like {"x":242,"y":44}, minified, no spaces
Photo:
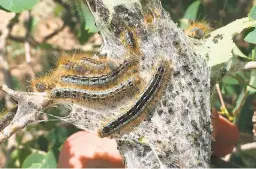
{"x":87,"y":94}
{"x":100,"y":80}
{"x":86,"y":65}
{"x":130,"y":39}
{"x":140,"y":105}
{"x":198,"y":30}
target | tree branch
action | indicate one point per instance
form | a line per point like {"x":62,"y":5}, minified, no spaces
{"x":30,"y":105}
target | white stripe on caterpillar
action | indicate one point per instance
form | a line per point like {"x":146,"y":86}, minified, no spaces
{"x":100,"y":80}
{"x":101,"y":94}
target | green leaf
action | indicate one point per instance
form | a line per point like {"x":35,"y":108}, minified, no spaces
{"x":229,"y":81}
{"x":219,"y":44}
{"x":244,"y":118}
{"x":49,"y":161}
{"x":36,"y":165}
{"x":1,"y":8}
{"x":18,"y":5}
{"x":16,"y":83}
{"x":89,"y":20}
{"x":252,"y":13}
{"x":251,"y":37}
{"x":45,"y":160}
{"x":33,"y":158}
{"x":192,"y":10}
{"x":86,"y":17}
{"x":184,"y":23}
{"x":252,"y":82}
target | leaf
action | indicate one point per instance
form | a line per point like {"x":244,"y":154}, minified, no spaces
{"x":36,"y":165}
{"x":192,"y":10}
{"x":229,"y":81}
{"x":252,"y":82}
{"x":33,"y":158}
{"x":1,"y":8}
{"x":18,"y":5}
{"x":252,"y":13}
{"x":86,"y":17}
{"x":219,"y":44}
{"x":184,"y":23}
{"x":251,"y":37}
{"x":49,"y":161}
{"x":89,"y":20}
{"x":45,"y":160}
{"x":237,"y":52}
{"x":16,"y":83}
{"x":244,"y":118}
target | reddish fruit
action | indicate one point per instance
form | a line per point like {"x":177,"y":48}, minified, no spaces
{"x":226,"y":135}
{"x":87,"y":150}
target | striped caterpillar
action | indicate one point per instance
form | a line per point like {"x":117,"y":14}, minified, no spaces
{"x":98,"y":80}
{"x":74,"y":66}
{"x":140,"y":105}
{"x":101,"y":94}
{"x":87,"y":65}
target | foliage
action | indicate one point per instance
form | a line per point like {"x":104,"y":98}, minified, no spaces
{"x":252,"y":13}
{"x":18,"y":5}
{"x":251,"y":37}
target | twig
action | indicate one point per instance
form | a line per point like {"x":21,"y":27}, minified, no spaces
{"x":54,"y":33}
{"x":30,"y":40}
{"x":245,"y":138}
{"x":219,"y":163}
{"x":4,"y":60}
{"x":28,"y":19}
{"x":254,"y":119}
{"x":250,"y":65}
{"x":241,"y":81}
{"x":30,"y":105}
{"x":66,"y":21}
{"x":245,"y":147}
{"x":5,"y":121}
{"x":242,"y":103}
{"x":33,"y":43}
{"x":220,"y":96}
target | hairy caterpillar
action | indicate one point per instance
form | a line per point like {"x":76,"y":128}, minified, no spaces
{"x":198,"y":30}
{"x":100,"y":94}
{"x":86,"y":65}
{"x":74,"y":66}
{"x":140,"y":105}
{"x":100,"y":80}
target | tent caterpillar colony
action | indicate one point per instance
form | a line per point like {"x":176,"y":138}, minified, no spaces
{"x":140,"y":105}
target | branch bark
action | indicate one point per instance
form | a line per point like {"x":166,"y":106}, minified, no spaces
{"x":30,"y":105}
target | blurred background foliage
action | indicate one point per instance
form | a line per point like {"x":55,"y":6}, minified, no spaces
{"x":53,"y":28}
